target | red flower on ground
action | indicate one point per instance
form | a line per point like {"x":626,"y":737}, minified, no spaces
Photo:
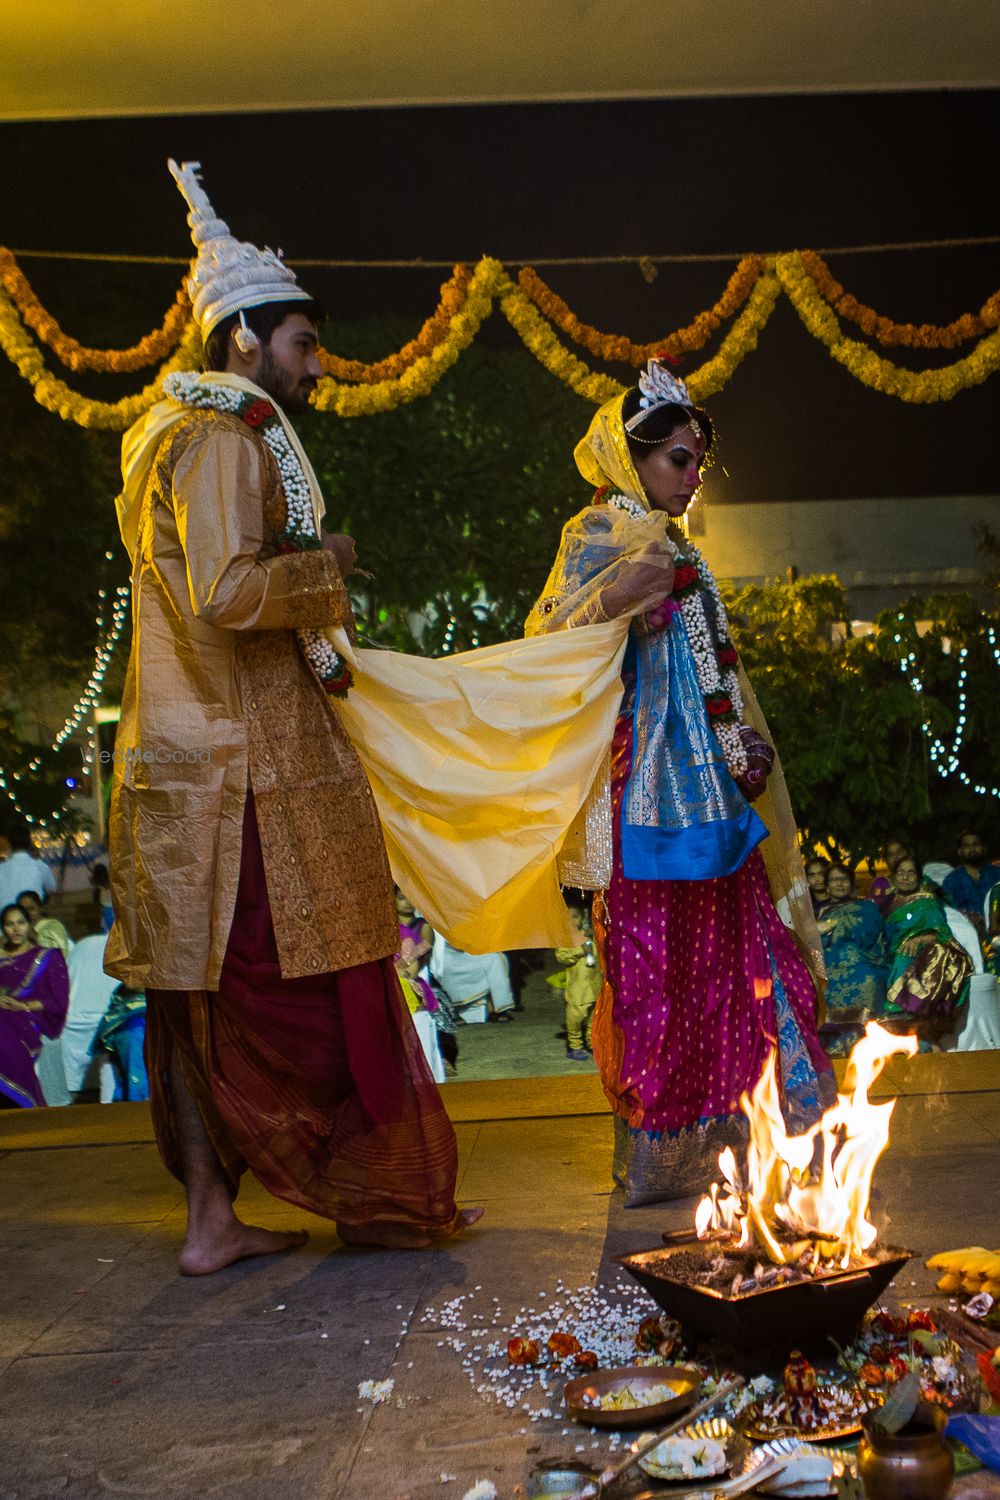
{"x":585,"y":1360}
{"x":522,"y":1351}
{"x":562,"y":1345}
{"x":719,"y":706}
{"x":919,"y":1317}
{"x":258,"y":413}
{"x":990,"y":1374}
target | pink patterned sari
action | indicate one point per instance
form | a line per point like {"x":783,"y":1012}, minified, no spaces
{"x":702,"y":979}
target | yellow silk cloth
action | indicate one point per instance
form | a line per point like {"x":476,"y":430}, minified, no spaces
{"x":479,"y":764}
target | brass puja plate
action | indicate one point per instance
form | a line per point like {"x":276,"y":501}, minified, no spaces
{"x":740,"y":1473}
{"x":586,"y":1389}
{"x":760,"y":1428}
{"x":715,"y":1429}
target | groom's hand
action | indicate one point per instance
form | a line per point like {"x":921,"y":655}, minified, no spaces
{"x":342,"y":548}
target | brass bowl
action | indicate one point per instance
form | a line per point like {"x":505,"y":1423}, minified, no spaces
{"x":683,"y":1380}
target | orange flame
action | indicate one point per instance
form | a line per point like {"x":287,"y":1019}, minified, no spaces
{"x":816,"y":1186}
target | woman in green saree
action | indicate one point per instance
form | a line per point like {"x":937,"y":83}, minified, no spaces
{"x":929,"y":971}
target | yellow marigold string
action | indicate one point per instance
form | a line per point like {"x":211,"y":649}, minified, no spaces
{"x":888,"y":333}
{"x":740,"y":341}
{"x":870,"y":368}
{"x":617,"y":348}
{"x":539,"y":339}
{"x":453,"y":295}
{"x":52,"y":393}
{"x":75,"y":356}
{"x":419,"y":378}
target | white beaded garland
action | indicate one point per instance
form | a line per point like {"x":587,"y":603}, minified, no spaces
{"x":194,"y":390}
{"x":712,"y":679}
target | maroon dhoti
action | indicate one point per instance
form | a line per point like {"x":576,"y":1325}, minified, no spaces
{"x":319,"y":1085}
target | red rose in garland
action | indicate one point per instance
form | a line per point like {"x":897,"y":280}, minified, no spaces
{"x":685,"y":578}
{"x":728,"y":656}
{"x":258,"y":413}
{"x":718,"y":705}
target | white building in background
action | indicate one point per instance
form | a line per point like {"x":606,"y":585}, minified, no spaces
{"x":881,"y":550}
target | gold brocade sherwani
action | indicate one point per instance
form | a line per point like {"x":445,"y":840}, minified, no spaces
{"x":218,"y":696}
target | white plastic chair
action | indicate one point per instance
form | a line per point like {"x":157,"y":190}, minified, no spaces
{"x":981,"y":1031}
{"x":937,"y":871}
{"x":963,"y":931}
{"x":90,"y":989}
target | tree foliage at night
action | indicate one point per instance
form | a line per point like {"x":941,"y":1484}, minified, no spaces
{"x":457,"y":499}
{"x":848,"y":725}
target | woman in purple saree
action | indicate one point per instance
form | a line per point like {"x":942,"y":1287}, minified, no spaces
{"x":703,"y":978}
{"x":34,"y":998}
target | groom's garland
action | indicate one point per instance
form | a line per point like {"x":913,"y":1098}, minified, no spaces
{"x":715,"y":656}
{"x":300,"y":533}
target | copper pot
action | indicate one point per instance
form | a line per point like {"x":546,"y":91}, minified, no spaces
{"x":916,"y":1465}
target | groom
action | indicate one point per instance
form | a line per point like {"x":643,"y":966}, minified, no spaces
{"x":253,"y":900}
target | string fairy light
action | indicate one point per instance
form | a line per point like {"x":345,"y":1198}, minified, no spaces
{"x":108,"y":637}
{"x":945,"y":760}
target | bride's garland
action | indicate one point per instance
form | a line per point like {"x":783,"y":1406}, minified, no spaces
{"x":300,"y":533}
{"x":715,"y":657}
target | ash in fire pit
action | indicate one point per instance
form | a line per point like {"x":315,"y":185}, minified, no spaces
{"x":740,"y":1273}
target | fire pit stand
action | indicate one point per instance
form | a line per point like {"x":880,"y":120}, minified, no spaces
{"x":766,"y":1321}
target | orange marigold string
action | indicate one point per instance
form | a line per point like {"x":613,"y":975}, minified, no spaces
{"x":453,"y":296}
{"x":890,"y":334}
{"x":151,"y":349}
{"x":617,"y":348}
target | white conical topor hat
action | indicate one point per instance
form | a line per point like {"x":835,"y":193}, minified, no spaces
{"x":227,"y":274}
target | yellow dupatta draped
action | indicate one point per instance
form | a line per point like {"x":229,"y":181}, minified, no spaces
{"x":479,"y":764}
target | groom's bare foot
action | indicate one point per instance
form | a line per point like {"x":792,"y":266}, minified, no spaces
{"x":211,"y":1251}
{"x":399,"y":1236}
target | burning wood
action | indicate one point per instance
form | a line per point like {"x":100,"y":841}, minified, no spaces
{"x":805,"y":1198}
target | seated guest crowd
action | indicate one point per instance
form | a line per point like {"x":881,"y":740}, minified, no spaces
{"x":905,"y":954}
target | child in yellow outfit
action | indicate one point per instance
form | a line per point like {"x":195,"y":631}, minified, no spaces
{"x":582,"y":985}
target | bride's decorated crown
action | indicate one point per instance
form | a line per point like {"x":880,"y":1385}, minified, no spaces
{"x":227,"y":274}
{"x":658,"y":386}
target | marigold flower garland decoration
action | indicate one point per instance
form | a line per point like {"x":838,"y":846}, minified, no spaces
{"x":75,"y":356}
{"x":467,"y":298}
{"x":615,"y":347}
{"x":740,"y":341}
{"x":300,"y":533}
{"x":454,"y":293}
{"x":52,"y":393}
{"x":538,"y":338}
{"x":887,"y":332}
{"x":420,"y":378}
{"x":867,"y":366}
